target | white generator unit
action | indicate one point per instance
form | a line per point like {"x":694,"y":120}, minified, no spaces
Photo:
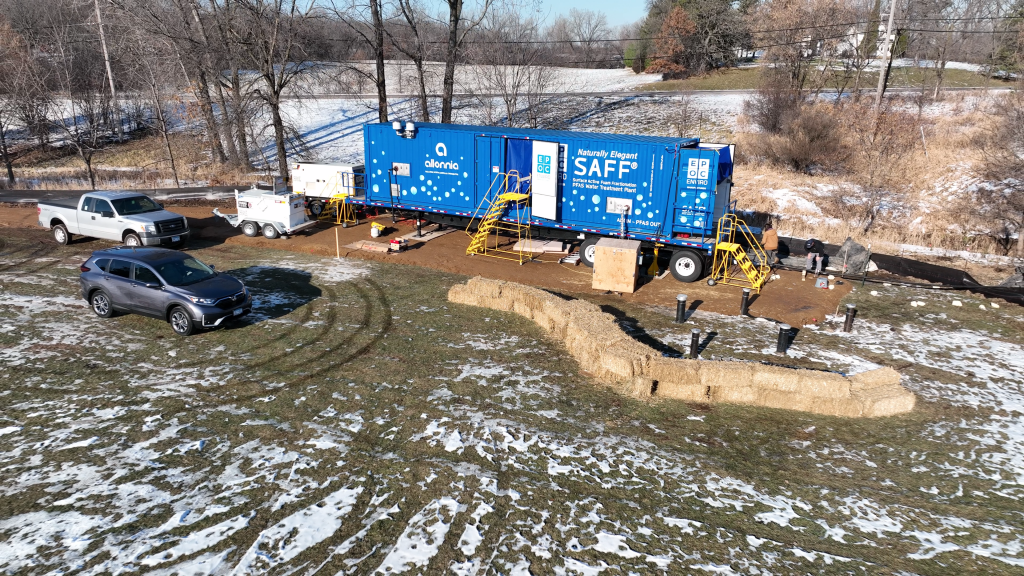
{"x":320,"y":182}
{"x":268,"y":212}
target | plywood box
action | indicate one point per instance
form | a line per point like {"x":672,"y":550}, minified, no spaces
{"x":616,"y":264}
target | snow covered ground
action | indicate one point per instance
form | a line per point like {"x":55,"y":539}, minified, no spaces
{"x":358,"y":423}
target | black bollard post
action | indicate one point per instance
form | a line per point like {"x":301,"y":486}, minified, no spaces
{"x":784,"y":333}
{"x":743,"y":301}
{"x":680,"y":308}
{"x":851,"y":311}
{"x":694,"y":341}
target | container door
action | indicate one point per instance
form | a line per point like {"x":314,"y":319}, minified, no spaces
{"x":544,"y":194}
{"x":489,"y":164}
{"x":519,"y":164}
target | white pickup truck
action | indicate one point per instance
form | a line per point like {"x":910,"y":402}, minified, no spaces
{"x":129,"y":217}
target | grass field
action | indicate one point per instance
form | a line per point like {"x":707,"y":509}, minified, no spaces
{"x":748,"y":79}
{"x":358,"y":422}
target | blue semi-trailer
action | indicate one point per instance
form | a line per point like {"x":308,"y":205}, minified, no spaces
{"x":673,"y":189}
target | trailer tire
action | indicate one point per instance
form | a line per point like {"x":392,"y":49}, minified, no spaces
{"x":250,"y":229}
{"x":269,"y":232}
{"x":686,"y":265}
{"x":587,"y":251}
{"x":316,"y":208}
{"x":61,"y":235}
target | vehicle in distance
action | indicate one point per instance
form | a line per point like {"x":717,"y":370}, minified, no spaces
{"x":161,"y":283}
{"x":129,"y":217}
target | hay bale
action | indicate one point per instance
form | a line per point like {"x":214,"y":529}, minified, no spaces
{"x":880,"y":377}
{"x":639,"y":388}
{"x":885,"y":401}
{"x":726,"y":374}
{"x":596,"y":341}
{"x":684,"y":392}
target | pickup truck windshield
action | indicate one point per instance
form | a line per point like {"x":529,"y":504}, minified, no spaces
{"x":135,"y":205}
{"x":185,"y":272}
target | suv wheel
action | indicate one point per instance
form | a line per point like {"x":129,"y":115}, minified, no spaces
{"x":100,"y":303}
{"x":132,"y":240}
{"x":269,"y":232}
{"x":60,"y":234}
{"x":181,"y":321}
{"x":250,"y":229}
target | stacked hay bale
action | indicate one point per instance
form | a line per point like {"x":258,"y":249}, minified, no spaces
{"x":596,"y":341}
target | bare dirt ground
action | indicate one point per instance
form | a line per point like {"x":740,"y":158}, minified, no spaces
{"x":787,"y":299}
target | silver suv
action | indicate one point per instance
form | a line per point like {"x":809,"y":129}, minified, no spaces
{"x":161,"y":283}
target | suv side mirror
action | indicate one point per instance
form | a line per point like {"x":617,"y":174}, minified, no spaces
{"x":106,"y":214}
{"x":212,"y":267}
{"x":154,"y":285}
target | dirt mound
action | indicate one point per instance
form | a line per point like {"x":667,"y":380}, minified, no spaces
{"x":596,"y":341}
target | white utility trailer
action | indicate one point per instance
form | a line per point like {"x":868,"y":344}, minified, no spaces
{"x":321,"y":182}
{"x":273,"y":213}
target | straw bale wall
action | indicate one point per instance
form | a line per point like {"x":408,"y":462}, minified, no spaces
{"x":596,"y":341}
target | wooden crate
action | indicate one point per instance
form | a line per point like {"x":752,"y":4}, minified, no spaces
{"x":616,"y":265}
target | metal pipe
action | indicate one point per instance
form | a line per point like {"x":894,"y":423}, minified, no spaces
{"x":419,"y":224}
{"x":680,"y":308}
{"x":744,"y":301}
{"x":851,"y":311}
{"x":784,"y":334}
{"x":694,"y":341}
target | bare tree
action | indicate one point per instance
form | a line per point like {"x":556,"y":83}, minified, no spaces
{"x":587,"y":28}
{"x":272,"y":43}
{"x":1003,"y":205}
{"x":413,"y":42}
{"x":508,"y":56}
{"x":456,"y":37}
{"x":367,"y":21}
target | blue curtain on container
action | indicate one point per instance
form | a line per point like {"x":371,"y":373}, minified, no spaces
{"x":519,"y":157}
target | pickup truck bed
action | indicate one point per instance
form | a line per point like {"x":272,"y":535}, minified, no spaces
{"x":71,"y":203}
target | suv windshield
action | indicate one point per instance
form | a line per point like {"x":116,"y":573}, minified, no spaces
{"x":135,"y":205}
{"x":184,"y":272}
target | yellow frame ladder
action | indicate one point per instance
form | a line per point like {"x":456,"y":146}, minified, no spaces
{"x":490,"y":223}
{"x":732,"y":266}
{"x":339,"y":211}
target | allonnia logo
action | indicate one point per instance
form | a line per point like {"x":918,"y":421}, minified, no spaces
{"x":441,"y":149}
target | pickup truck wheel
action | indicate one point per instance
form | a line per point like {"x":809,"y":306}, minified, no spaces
{"x":181,"y":321}
{"x":250,"y":229}
{"x":269,"y":232}
{"x":316,"y":208}
{"x":686,"y":265}
{"x":61,"y":235}
{"x":100,"y":303}
{"x":587,"y":251}
{"x":132,"y":240}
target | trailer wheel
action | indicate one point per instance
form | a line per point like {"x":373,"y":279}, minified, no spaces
{"x":61,"y":235}
{"x":250,"y":229}
{"x":686,"y":265}
{"x":316,"y":208}
{"x":269,"y":232}
{"x":587,"y":251}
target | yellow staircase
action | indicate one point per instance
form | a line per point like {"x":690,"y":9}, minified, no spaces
{"x":732,"y":266}
{"x":490,"y":223}
{"x":339,"y":211}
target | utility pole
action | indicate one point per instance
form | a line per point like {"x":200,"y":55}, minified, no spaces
{"x":110,"y":74}
{"x":883,"y":75}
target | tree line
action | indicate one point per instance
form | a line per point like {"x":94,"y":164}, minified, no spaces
{"x":82,"y":74}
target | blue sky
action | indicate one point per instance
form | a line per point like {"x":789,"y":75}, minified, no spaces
{"x":618,"y":11}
